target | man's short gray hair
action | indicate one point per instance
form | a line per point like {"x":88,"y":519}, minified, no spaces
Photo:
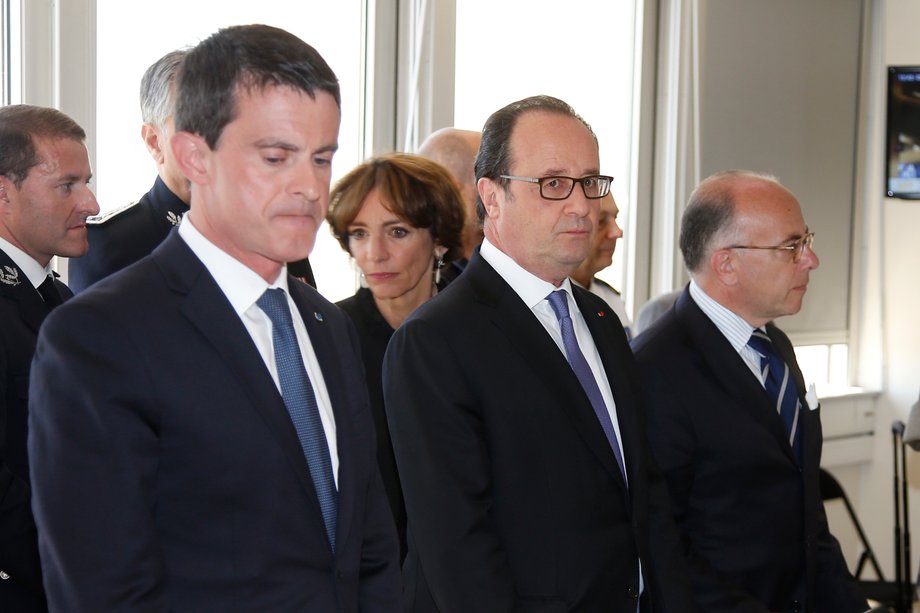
{"x":158,"y":96}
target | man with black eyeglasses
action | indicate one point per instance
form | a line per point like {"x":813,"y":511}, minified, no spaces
{"x":731,"y":422}
{"x":511,"y":402}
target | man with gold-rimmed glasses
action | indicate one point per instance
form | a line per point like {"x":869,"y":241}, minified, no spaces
{"x":731,"y":422}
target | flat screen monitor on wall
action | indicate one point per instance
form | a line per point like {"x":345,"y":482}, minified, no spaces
{"x":902,"y":171}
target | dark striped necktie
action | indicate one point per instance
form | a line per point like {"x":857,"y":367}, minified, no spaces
{"x":780,"y":387}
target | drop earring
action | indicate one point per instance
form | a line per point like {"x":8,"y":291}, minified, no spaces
{"x":438,"y":265}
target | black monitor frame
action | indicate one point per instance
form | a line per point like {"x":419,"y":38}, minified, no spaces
{"x":902,"y":150}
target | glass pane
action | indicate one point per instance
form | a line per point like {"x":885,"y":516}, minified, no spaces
{"x":10,"y":52}
{"x":133,"y":35}
{"x":508,"y":55}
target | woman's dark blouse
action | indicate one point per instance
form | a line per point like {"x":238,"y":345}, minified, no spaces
{"x":374,"y":333}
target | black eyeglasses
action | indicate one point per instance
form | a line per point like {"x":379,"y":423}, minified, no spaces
{"x":796,"y":248}
{"x":560,"y":188}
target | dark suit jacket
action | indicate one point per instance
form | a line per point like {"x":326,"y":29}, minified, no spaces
{"x":167,"y":472}
{"x":22,"y":311}
{"x":753,"y":521}
{"x":373,"y":334}
{"x":514,"y":498}
{"x":123,"y":236}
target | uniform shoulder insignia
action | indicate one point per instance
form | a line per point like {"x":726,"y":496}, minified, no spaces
{"x":96,"y":220}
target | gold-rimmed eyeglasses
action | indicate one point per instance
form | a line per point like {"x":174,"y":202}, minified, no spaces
{"x":558,"y":187}
{"x":796,"y":248}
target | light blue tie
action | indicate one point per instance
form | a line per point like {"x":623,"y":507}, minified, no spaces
{"x":579,"y":365}
{"x":301,"y":404}
{"x":779,"y":386}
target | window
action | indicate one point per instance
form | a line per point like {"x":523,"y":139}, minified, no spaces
{"x":130,"y":38}
{"x":524,"y":49}
{"x":10,"y":52}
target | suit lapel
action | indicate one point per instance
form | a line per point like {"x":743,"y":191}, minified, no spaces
{"x":513,"y":319}
{"x":208,"y":310}
{"x":729,"y":370}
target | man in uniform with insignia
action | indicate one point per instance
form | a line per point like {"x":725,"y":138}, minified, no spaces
{"x":44,"y":202}
{"x":125,"y":235}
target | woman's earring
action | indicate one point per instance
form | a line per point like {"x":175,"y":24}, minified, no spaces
{"x":361,"y":279}
{"x":438,"y":265}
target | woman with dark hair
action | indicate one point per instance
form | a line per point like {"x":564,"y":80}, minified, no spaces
{"x":400,"y":216}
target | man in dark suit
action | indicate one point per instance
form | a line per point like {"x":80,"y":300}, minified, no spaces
{"x":169,"y":472}
{"x":126,"y":234}
{"x":518,"y":438}
{"x":730,"y":421}
{"x":44,"y":203}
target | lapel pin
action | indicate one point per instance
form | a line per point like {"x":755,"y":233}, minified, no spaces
{"x":318,"y":315}
{"x":600,"y":313}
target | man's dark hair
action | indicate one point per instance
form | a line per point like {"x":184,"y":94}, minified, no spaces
{"x":494,"y":158}
{"x":251,"y":57}
{"x":20,"y":125}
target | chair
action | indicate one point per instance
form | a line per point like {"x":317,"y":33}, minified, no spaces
{"x":879,"y":590}
{"x":832,"y":490}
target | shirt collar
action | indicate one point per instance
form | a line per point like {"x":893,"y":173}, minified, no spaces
{"x":735,"y":329}
{"x":240,"y":284}
{"x":525,"y":284}
{"x":26,"y":263}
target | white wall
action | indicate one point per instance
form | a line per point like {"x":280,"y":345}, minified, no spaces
{"x":887,"y":275}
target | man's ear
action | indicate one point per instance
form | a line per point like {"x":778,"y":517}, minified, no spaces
{"x":488,"y":193}
{"x":6,"y":188}
{"x":153,"y":142}
{"x":723,"y":265}
{"x":193,"y":155}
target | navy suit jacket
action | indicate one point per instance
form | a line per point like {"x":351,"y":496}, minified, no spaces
{"x":123,"y":236}
{"x":167,"y":473}
{"x":22,"y":312}
{"x":751,"y":517}
{"x":514,"y":497}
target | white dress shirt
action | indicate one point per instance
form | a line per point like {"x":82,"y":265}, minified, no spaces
{"x":732,"y":326}
{"x":243,"y":287}
{"x":534,"y":291}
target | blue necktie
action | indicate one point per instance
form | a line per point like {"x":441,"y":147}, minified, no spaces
{"x":780,"y":386}
{"x":300,"y":401}
{"x":579,"y":364}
